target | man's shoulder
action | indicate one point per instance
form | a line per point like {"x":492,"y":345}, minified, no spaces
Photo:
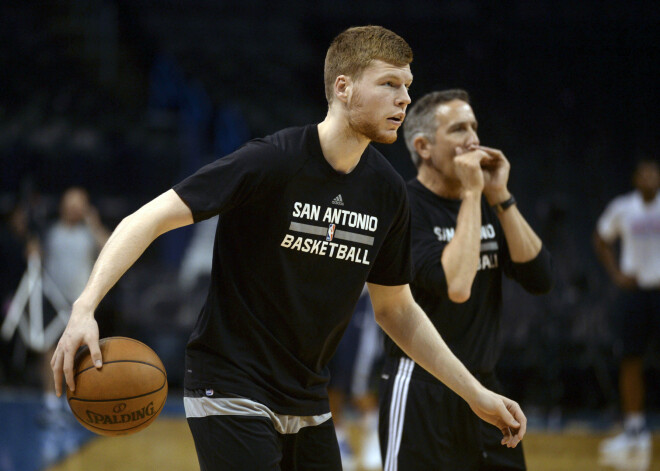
{"x":381,"y":166}
{"x":282,"y":150}
{"x":415,"y":188}
{"x":291,"y":140}
{"x":417,"y":193}
{"x":624,"y":201}
{"x":420,"y":195}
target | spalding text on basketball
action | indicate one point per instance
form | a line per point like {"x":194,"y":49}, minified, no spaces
{"x":107,"y":419}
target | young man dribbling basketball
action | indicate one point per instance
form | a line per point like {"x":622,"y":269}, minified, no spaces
{"x":308,"y":215}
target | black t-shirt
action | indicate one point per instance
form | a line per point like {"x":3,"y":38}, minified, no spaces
{"x":470,"y":329}
{"x":295,"y":243}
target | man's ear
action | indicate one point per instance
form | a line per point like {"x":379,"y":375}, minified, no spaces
{"x":343,"y":86}
{"x":422,"y":146}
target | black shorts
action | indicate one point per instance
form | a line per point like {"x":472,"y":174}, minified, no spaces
{"x":638,"y":320}
{"x":250,"y":442}
{"x":424,"y":425}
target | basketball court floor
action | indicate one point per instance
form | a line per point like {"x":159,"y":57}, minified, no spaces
{"x":28,"y":444}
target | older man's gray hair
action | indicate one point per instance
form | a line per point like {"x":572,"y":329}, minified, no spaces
{"x":421,"y":119}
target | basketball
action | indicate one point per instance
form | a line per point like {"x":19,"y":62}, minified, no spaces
{"x":125,"y":395}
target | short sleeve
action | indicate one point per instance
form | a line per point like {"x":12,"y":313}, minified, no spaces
{"x":392,"y":266}
{"x":231,"y":181}
{"x":609,"y":223}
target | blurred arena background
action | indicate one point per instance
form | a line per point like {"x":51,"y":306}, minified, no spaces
{"x":127,"y":97}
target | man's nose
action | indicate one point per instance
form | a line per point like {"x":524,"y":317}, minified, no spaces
{"x":473,"y":139}
{"x":404,"y":98}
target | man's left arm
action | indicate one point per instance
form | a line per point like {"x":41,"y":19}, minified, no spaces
{"x":405,"y":322}
{"x":524,"y":245}
{"x":532,"y":265}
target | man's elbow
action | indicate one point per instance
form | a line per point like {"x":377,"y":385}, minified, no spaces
{"x":385,"y":320}
{"x":139,"y":222}
{"x":537,"y":276}
{"x":459,"y":294}
{"x":387,"y":316}
{"x":540,"y":286}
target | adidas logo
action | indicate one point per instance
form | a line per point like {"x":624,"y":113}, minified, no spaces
{"x":338,"y":201}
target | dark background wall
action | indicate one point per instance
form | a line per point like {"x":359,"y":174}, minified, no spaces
{"x":126,"y":97}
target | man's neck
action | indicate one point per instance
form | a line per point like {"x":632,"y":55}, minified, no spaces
{"x":342,"y":147}
{"x":647,"y":196}
{"x":438,"y":183}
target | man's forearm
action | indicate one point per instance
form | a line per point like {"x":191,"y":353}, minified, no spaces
{"x":524,"y":244}
{"x":128,"y":241}
{"x":460,"y":258}
{"x":414,"y":333}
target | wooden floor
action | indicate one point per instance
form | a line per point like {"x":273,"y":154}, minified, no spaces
{"x":167,"y":445}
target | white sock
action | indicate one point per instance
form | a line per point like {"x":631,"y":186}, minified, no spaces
{"x":634,"y":422}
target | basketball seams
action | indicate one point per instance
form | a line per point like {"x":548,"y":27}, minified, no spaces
{"x":123,"y":377}
{"x":122,"y":361}
{"x":107,"y":340}
{"x":118,"y":398}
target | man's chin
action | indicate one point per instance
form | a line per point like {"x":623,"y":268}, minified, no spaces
{"x":385,"y":138}
{"x":373,"y":132}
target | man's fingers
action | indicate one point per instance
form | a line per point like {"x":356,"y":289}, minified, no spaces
{"x":506,"y":416}
{"x":95,"y":352}
{"x":520,"y":418}
{"x":490,"y":151}
{"x":510,"y":442}
{"x":476,"y":157}
{"x":514,"y":423}
{"x":517,"y":423}
{"x":523,"y":427}
{"x":510,"y":439}
{"x":472,"y":152}
{"x":56,"y":365}
{"x":67,"y":367}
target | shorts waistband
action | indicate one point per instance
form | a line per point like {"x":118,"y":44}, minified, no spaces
{"x":199,"y":405}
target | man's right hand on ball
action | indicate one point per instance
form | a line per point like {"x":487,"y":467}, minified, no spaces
{"x":81,"y":329}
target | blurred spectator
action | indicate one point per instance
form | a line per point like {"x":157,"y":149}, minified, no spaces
{"x":70,"y":247}
{"x":73,"y":242}
{"x":633,"y":220}
{"x":15,"y":244}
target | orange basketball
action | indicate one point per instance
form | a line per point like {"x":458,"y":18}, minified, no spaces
{"x":125,"y":395}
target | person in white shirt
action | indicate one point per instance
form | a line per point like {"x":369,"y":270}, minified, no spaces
{"x":70,"y":247}
{"x":633,"y":220}
{"x":73,"y":242}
